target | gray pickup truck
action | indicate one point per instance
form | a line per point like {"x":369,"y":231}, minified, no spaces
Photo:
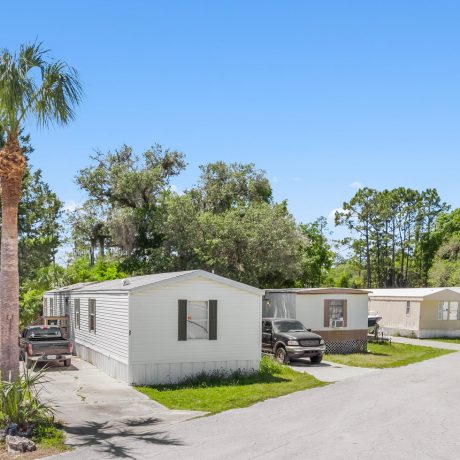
{"x":44,"y":344}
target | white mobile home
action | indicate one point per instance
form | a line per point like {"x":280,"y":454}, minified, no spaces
{"x":418,"y":312}
{"x":164,"y":327}
{"x":339,"y":315}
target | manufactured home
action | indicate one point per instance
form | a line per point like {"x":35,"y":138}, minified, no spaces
{"x":417,"y":312}
{"x":339,"y":315}
{"x":164,"y":327}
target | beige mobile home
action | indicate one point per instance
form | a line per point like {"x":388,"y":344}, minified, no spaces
{"x":164,"y":327}
{"x":418,"y":312}
{"x":339,"y":315}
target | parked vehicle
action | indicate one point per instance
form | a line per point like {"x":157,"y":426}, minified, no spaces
{"x":44,"y":344}
{"x":289,"y":339}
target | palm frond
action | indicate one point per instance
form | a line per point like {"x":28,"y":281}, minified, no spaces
{"x":34,"y":86}
{"x":58,"y":95}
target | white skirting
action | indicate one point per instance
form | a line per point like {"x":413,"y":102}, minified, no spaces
{"x":423,"y":333}
{"x":164,"y":373}
{"x":438,"y":333}
{"x":108,"y":364}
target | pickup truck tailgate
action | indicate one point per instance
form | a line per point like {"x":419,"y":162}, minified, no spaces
{"x":50,"y":348}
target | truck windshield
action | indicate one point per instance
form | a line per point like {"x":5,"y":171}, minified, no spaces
{"x":41,"y":334}
{"x":289,"y":326}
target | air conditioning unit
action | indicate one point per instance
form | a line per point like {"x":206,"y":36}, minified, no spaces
{"x":337,"y":323}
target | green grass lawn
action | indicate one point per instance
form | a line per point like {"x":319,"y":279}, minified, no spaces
{"x":446,"y":339}
{"x":216,"y":393}
{"x":388,"y":355}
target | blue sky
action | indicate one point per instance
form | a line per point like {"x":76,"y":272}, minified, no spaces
{"x":323,"y":96}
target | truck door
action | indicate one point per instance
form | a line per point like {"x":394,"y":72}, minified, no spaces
{"x":267,"y":335}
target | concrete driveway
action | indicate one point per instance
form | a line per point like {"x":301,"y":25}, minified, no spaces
{"x":411,"y":412}
{"x":94,"y":407}
{"x":328,"y":371}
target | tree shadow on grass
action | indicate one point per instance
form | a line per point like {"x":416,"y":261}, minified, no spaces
{"x":210,"y":382}
{"x":107,"y":437}
{"x":374,"y":353}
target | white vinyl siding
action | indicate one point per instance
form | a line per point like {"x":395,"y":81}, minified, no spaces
{"x":156,"y":356}
{"x":112,"y":324}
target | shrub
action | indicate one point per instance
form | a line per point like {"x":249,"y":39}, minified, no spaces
{"x":19,"y":401}
{"x":48,"y":435}
{"x":268,"y":366}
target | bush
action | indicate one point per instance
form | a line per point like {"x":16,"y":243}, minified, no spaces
{"x":48,"y":435}
{"x":19,"y":401}
{"x":268,"y":366}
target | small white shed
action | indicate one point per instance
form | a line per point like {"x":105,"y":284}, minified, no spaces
{"x":161,"y":328}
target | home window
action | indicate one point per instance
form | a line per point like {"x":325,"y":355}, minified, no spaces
{"x":51,"y":307}
{"x":336,"y":313}
{"x":453,"y":311}
{"x":92,"y":315}
{"x":76,"y":304}
{"x":408,"y":308}
{"x":443,"y":311}
{"x":197,"y":319}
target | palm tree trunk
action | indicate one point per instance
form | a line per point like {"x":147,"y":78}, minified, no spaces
{"x":12,"y":163}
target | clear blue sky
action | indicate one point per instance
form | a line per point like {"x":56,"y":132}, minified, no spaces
{"x":321,"y":95}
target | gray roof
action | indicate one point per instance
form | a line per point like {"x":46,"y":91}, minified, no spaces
{"x":412,"y":292}
{"x":328,"y":290}
{"x":135,"y":282}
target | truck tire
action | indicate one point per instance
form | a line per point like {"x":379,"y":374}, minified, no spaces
{"x":67,"y":362}
{"x":316,"y":359}
{"x":281,"y":355}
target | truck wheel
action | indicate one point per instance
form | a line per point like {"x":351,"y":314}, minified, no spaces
{"x":29,"y":362}
{"x":281,"y":355}
{"x":67,"y":362}
{"x":316,"y":359}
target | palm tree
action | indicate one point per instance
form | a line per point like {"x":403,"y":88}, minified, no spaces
{"x":33,"y":87}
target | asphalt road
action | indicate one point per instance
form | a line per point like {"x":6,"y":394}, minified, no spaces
{"x":411,"y":412}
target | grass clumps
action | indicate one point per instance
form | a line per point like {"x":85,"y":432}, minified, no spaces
{"x":23,"y":414}
{"x":221,"y":390}
{"x":384,"y":355}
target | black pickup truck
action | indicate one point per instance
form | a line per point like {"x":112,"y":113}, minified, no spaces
{"x":44,"y":344}
{"x":289,"y":339}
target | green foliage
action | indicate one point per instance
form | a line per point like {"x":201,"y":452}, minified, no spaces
{"x":316,"y":254}
{"x":123,"y":210}
{"x":269,"y":366}
{"x":52,"y":276}
{"x":256,"y":243}
{"x":445,"y":270}
{"x":34,"y":85}
{"x":19,"y":400}
{"x":392,"y":234}
{"x":38,"y":224}
{"x":224,"y":186}
{"x":346,"y":274}
{"x":47,"y":435}
{"x":105,"y":269}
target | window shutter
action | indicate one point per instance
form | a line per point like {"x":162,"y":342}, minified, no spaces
{"x":95,"y":315}
{"x":345,"y":313}
{"x":213,"y":320}
{"x":89,"y":315}
{"x":182,"y":320}
{"x":326,"y":312}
